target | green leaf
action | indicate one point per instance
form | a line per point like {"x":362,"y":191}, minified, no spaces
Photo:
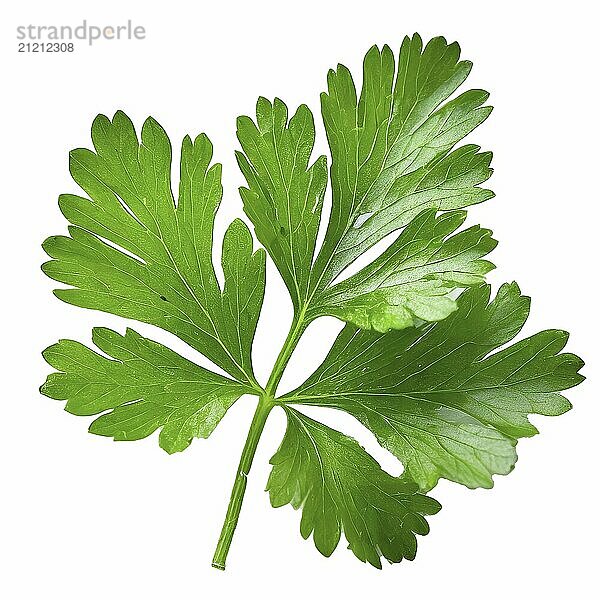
{"x":143,"y":387}
{"x":284,"y":196}
{"x":391,"y":147}
{"x":423,"y":361}
{"x":135,"y":253}
{"x":393,"y":157}
{"x":442,"y":397}
{"x":411,"y":280}
{"x":341,"y":488}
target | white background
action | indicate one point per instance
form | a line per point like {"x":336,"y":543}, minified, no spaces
{"x":84,"y":517}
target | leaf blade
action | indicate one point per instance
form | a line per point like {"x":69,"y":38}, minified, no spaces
{"x":133,"y":252}
{"x":391,"y":140}
{"x":285,"y":194}
{"x":412,"y":279}
{"x":143,"y":386}
{"x":442,"y":397}
{"x":342,"y":489}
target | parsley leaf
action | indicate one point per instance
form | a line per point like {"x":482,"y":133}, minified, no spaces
{"x":135,"y":253}
{"x":285,"y":195}
{"x":435,"y":396}
{"x":423,"y":361}
{"x":147,"y":386}
{"x":411,"y":280}
{"x":392,"y":157}
{"x":342,"y":488}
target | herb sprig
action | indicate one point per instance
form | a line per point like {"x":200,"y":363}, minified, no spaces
{"x":424,"y":359}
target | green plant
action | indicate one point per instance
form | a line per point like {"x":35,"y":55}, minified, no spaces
{"x":422,"y":361}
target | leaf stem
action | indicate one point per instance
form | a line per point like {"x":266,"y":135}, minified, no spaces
{"x":265,"y":404}
{"x":297,"y":328}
